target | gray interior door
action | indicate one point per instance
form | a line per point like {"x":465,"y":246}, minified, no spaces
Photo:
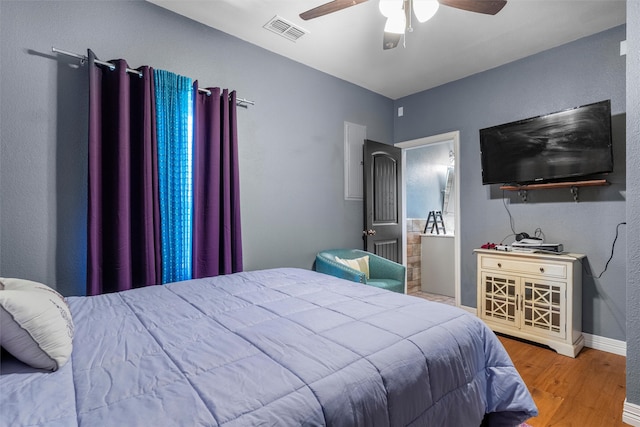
{"x":382,"y":200}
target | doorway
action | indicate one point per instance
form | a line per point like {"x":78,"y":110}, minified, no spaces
{"x":449,"y":198}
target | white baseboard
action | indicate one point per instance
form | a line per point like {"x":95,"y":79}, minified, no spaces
{"x":631,"y":413}
{"x":605,"y":344}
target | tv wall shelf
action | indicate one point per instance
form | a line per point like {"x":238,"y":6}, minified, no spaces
{"x":571,"y":185}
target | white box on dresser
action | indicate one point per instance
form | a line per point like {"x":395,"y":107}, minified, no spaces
{"x":533,"y":296}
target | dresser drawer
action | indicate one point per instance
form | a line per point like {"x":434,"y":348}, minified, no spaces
{"x":536,"y":268}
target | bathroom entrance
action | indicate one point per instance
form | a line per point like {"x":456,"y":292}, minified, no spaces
{"x":430,"y":202}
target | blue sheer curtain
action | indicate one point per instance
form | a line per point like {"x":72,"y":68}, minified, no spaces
{"x":174,"y":104}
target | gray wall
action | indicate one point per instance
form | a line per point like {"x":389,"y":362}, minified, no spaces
{"x":291,"y":141}
{"x":585,"y":71}
{"x":633,"y":202}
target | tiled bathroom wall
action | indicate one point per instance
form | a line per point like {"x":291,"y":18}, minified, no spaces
{"x":415,"y":226}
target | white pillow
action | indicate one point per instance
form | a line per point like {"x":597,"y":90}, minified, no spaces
{"x":361,"y":264}
{"x":35,"y":324}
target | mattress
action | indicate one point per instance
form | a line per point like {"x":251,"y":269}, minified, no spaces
{"x":280,"y":347}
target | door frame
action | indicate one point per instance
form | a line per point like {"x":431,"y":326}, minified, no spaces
{"x":420,"y":142}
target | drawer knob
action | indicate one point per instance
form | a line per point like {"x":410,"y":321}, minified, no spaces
{"x":499,"y":265}
{"x":541,"y":270}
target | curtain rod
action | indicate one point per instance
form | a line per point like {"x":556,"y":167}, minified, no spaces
{"x":241,"y":102}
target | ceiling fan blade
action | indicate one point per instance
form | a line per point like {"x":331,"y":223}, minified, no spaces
{"x":390,"y":40}
{"x":488,"y":7}
{"x":332,"y":6}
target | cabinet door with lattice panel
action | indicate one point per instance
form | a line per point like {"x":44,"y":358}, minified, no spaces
{"x":500,"y":299}
{"x":543,"y":311}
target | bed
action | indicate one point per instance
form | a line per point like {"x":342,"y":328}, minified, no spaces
{"x":280,"y":347}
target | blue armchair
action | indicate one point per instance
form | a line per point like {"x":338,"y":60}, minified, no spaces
{"x":383,"y":273}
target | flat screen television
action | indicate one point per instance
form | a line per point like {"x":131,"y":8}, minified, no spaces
{"x":561,"y":146}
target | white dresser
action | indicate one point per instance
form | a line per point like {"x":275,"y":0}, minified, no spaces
{"x":537,"y":297}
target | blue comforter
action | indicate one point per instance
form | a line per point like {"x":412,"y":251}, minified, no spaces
{"x":282,"y":347}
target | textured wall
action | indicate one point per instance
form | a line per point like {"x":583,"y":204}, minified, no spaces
{"x":633,"y":202}
{"x":291,"y":141}
{"x":587,"y":70}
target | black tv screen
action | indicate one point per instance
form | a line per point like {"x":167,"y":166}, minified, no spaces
{"x":568,"y":144}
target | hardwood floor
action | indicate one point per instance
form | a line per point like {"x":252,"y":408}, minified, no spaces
{"x":587,"y":391}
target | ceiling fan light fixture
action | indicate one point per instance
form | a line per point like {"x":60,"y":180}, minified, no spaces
{"x":389,"y":7}
{"x":425,"y":9}
{"x":396,"y":23}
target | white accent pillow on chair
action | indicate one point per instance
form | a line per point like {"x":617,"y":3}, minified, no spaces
{"x":35,"y":324}
{"x":361,"y":264}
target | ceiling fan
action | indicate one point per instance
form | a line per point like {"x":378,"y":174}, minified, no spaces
{"x":398,"y":12}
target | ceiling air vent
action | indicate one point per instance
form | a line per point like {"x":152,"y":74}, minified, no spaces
{"x":285,"y":28}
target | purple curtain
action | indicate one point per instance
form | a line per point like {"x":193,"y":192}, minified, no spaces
{"x":123,"y":212}
{"x":217,"y":238}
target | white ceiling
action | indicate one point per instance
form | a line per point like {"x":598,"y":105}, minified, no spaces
{"x":453,"y":44}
